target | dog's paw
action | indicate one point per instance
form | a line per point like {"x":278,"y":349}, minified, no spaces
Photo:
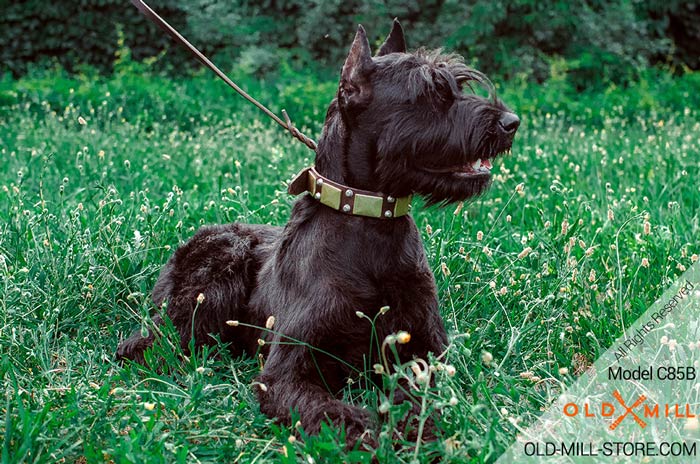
{"x":133,"y":348}
{"x":358,"y":423}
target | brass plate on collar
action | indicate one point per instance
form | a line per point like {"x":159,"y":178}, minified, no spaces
{"x":368,"y":206}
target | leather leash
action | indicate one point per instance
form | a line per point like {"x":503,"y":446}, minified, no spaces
{"x":160,"y":22}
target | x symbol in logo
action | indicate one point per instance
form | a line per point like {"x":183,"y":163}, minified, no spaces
{"x":628,"y":410}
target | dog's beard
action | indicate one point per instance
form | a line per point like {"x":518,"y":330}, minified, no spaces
{"x":449,"y":187}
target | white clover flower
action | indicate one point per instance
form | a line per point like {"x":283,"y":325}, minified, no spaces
{"x":591,"y":276}
{"x":403,"y":337}
{"x":445,"y":269}
{"x":692,"y":424}
{"x":526,"y":251}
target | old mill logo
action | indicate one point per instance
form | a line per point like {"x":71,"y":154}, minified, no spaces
{"x":638,"y":410}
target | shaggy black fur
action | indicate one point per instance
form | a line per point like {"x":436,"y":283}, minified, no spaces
{"x":401,"y":123}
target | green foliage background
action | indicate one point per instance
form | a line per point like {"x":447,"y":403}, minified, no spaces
{"x":599,"y":40}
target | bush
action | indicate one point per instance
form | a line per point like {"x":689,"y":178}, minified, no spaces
{"x":600,"y":41}
{"x":75,"y":32}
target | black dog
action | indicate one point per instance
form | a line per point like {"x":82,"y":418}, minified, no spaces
{"x":402,"y":123}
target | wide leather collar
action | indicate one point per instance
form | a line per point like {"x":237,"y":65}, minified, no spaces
{"x":346,"y":199}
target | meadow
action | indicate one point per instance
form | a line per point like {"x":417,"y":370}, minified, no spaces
{"x":589,"y":219}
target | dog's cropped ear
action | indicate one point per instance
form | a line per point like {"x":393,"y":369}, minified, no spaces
{"x":355,"y":84}
{"x":395,"y":41}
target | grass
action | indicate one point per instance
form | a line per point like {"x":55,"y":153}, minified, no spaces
{"x":593,"y":215}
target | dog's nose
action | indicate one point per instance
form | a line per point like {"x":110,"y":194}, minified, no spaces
{"x":509,"y":123}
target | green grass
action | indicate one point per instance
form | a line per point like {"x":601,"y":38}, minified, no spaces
{"x":593,"y":215}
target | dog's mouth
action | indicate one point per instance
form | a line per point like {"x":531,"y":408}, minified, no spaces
{"x":479,"y":167}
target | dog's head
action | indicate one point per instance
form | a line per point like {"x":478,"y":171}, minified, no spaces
{"x":412,"y":122}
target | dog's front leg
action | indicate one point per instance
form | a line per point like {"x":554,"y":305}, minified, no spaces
{"x":294,"y":379}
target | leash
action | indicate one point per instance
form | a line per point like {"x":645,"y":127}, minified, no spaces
{"x":160,"y":22}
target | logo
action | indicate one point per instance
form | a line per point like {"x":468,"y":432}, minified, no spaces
{"x":640,"y":411}
{"x":629,"y":410}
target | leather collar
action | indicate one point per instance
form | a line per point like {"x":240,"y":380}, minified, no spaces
{"x":346,"y":199}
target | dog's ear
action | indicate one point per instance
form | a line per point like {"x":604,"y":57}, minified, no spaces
{"x":395,"y":41}
{"x":355,"y":85}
